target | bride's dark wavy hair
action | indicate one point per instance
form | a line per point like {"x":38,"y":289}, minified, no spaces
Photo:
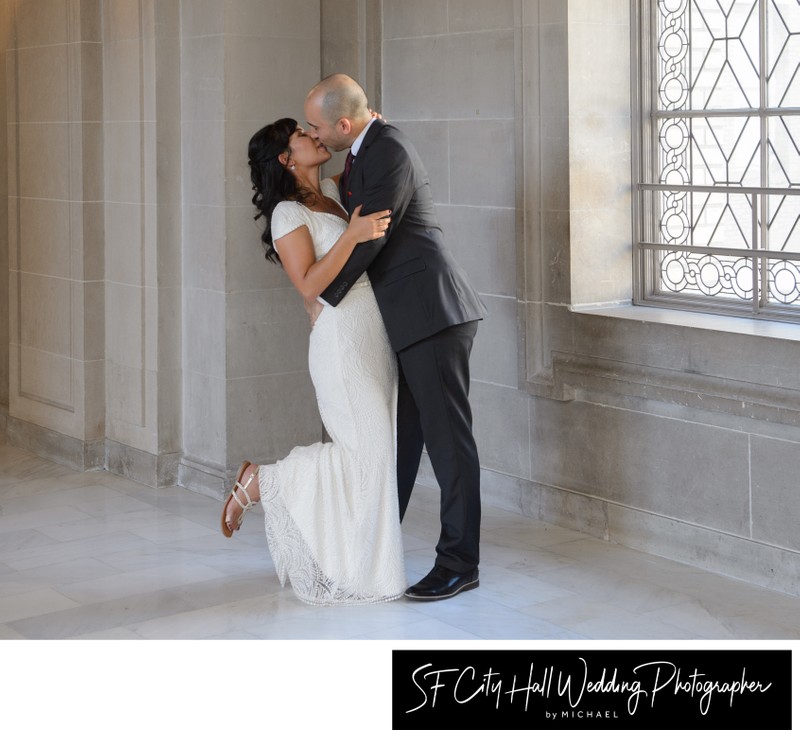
{"x":271,"y":182}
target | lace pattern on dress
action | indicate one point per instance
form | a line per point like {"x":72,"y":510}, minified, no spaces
{"x":294,"y":560}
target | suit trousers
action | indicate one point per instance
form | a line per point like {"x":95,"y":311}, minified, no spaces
{"x":434,"y":411}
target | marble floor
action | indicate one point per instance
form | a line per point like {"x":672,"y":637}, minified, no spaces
{"x":95,"y":562}
{"x":95,"y":556}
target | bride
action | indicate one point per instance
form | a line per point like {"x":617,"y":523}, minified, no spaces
{"x":330,"y":509}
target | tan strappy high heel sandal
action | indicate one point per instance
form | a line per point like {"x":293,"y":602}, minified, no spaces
{"x":237,"y":488}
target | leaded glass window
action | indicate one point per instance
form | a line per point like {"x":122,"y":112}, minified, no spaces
{"x":717,"y":154}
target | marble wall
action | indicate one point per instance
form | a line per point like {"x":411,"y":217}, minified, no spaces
{"x":147,"y":333}
{"x":648,"y":428}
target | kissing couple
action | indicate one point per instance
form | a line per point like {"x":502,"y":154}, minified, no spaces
{"x":393,"y":323}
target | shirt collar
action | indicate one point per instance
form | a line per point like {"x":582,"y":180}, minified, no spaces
{"x":360,"y":139}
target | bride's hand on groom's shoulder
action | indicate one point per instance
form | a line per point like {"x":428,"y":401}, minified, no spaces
{"x":369,"y":227}
{"x":377,"y":115}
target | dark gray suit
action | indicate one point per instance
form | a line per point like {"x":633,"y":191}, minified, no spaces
{"x":431,"y":313}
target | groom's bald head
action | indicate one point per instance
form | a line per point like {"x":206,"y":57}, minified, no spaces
{"x":339,"y":96}
{"x":337,"y":111}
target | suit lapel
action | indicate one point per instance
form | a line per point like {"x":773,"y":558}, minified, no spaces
{"x":358,"y":162}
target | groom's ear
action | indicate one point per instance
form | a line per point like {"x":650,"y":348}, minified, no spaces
{"x":345,"y":126}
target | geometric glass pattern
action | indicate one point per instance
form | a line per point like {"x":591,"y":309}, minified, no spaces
{"x":718,"y":204}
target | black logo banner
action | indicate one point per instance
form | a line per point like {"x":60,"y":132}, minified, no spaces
{"x":586,"y":689}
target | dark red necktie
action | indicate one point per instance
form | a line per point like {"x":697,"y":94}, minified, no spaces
{"x":348,"y":164}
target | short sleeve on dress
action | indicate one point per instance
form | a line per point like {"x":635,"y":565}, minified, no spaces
{"x":288,"y":216}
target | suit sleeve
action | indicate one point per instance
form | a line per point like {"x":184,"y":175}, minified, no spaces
{"x":388,"y":178}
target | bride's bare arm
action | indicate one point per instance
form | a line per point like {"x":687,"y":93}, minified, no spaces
{"x":309,"y":276}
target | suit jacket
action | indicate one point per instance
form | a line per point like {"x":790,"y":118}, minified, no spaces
{"x":419,"y":288}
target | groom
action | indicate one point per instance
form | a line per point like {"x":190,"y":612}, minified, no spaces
{"x":431,"y":314}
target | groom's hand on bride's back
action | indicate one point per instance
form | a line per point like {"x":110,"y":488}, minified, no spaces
{"x":313,"y":308}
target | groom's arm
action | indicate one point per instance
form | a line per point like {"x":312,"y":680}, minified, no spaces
{"x":388,"y":184}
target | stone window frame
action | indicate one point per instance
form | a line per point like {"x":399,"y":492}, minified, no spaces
{"x":580,"y":335}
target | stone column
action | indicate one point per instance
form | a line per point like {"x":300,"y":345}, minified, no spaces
{"x":246,"y":389}
{"x":142,"y":228}
{"x":5,"y":44}
{"x":55,"y":159}
{"x":351,"y":43}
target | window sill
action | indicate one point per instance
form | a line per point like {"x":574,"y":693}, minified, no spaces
{"x":701,"y":321}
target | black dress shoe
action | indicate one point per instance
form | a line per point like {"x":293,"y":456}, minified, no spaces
{"x":442,"y":583}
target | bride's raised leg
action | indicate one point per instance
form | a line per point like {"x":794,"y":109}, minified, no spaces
{"x":244,"y":496}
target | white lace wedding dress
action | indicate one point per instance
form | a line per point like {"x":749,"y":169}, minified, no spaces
{"x":331,"y":509}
